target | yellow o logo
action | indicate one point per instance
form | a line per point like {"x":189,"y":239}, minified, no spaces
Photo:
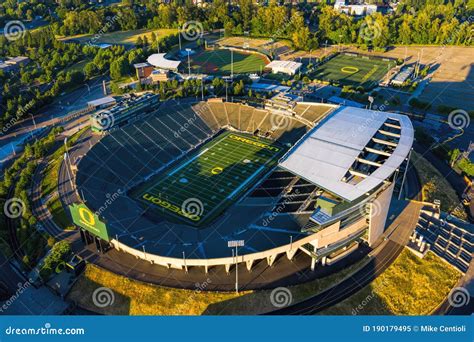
{"x":217,"y":170}
{"x":87,"y":216}
{"x":349,"y":70}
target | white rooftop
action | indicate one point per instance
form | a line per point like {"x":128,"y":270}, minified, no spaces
{"x":326,"y":153}
{"x":290,"y":65}
{"x":158,"y":60}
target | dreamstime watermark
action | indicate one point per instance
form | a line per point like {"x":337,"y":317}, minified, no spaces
{"x":21,"y":288}
{"x":279,"y":208}
{"x":184,"y":127}
{"x":375,"y":208}
{"x":459,"y":296}
{"x":103,"y":297}
{"x":458,"y":119}
{"x":365,"y":124}
{"x":281,"y":297}
{"x":192,"y":30}
{"x":20,"y":113}
{"x":199,"y":287}
{"x":46,"y":330}
{"x":367,"y":299}
{"x":14,"y":30}
{"x":370,"y":30}
{"x":110,"y":22}
{"x":111,"y":198}
{"x":192,"y":207}
{"x":279,"y":121}
{"x":105,"y":119}
{"x":14,"y":208}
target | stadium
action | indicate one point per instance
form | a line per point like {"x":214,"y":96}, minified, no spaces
{"x":184,"y":184}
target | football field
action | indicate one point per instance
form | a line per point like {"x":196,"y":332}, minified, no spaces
{"x":354,"y":70}
{"x":202,"y":185}
{"x":219,"y":62}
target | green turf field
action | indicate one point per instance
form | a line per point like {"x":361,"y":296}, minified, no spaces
{"x":200,"y":187}
{"x":354,"y":70}
{"x":219,"y":62}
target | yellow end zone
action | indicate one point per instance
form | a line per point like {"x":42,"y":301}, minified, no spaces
{"x":171,"y":207}
{"x":255,"y":143}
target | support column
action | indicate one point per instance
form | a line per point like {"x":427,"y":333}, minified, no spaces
{"x":313,"y":264}
{"x":271,"y":260}
{"x":291,"y":253}
{"x":227,"y":268}
{"x":249,"y":264}
{"x":206,"y":269}
{"x":404,"y":174}
{"x":323,"y":261}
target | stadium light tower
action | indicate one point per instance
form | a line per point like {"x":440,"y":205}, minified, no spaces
{"x":236,"y":244}
{"x":189,"y":62}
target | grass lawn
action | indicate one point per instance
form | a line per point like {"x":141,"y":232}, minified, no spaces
{"x":136,"y":298}
{"x":201,"y":187}
{"x":435,"y":186}
{"x":353,"y":70}
{"x":49,"y":184}
{"x":121,"y":37}
{"x":219,"y":62}
{"x":79,"y":66}
{"x":410,"y":286}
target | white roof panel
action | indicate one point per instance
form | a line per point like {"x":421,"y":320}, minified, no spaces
{"x":158,"y":60}
{"x":327,"y":152}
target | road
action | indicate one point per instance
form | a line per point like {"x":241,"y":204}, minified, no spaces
{"x":52,"y":113}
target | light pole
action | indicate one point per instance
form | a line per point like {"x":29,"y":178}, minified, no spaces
{"x":189,"y":62}
{"x":68,"y":173}
{"x":236,"y":244}
{"x":34,"y":124}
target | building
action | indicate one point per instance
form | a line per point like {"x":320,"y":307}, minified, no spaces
{"x":102,"y":103}
{"x":123,"y":112}
{"x":404,"y":74}
{"x":284,"y":67}
{"x":357,"y":159}
{"x":354,"y":9}
{"x":143,"y":70}
{"x":328,"y":194}
{"x":283,"y":102}
{"x":13,"y":63}
{"x":159,"y":61}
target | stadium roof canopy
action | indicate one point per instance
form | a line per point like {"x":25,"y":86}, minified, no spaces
{"x":331,"y":153}
{"x":158,"y":60}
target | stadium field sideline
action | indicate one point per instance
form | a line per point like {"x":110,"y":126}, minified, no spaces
{"x":204,"y":184}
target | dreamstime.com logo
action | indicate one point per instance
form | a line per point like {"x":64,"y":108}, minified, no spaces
{"x":14,"y":30}
{"x":459,"y":296}
{"x":103,"y":297}
{"x":281,"y":297}
{"x":192,"y":30}
{"x":192,"y":207}
{"x":458,"y":119}
{"x":279,"y":121}
{"x":369,"y":30}
{"x":46,"y":330}
{"x":14,"y":208}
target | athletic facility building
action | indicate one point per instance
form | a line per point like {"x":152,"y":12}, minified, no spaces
{"x":284,"y":67}
{"x":185,"y":184}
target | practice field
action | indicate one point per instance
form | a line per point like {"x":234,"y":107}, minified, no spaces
{"x":219,"y":62}
{"x":354,"y":70}
{"x":127,"y":38}
{"x":200,"y":187}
